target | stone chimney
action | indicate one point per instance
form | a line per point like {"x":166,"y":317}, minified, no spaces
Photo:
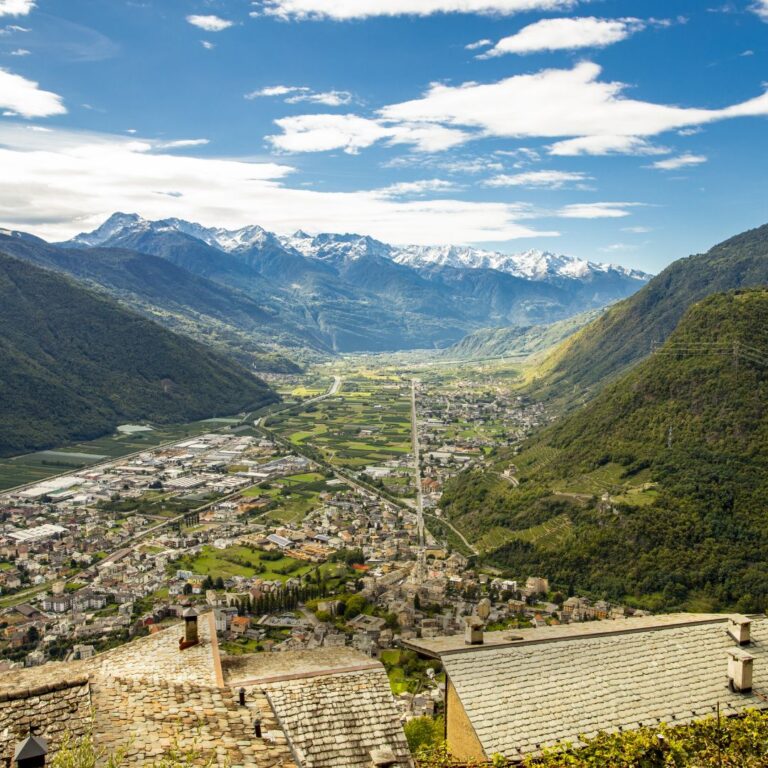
{"x":740,"y":670}
{"x":383,"y":758}
{"x":739,"y":628}
{"x":31,"y":752}
{"x":473,"y":632}
{"x":191,"y":636}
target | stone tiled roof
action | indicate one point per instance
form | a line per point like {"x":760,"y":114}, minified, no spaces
{"x":525,"y":696}
{"x":157,"y":657}
{"x":336,"y":720}
{"x":53,"y":701}
{"x":261,"y":667}
{"x":144,"y":698}
{"x":146,"y":719}
{"x":445,"y":644}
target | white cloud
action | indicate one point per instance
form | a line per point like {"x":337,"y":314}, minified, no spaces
{"x":350,"y":133}
{"x":11,"y":28}
{"x":210,"y":23}
{"x":416,"y":188}
{"x":208,"y":45}
{"x":297,"y":94}
{"x":16,"y":7}
{"x":478,"y":44}
{"x":183,"y":143}
{"x":605,"y":145}
{"x":566,"y":34}
{"x":596,"y":210}
{"x":58,"y":183}
{"x":637,"y":230}
{"x":761,"y":9}
{"x":341,"y":10}
{"x":682,"y":161}
{"x":541,"y":179}
{"x":19,"y":96}
{"x":20,"y":52}
{"x":591,"y":116}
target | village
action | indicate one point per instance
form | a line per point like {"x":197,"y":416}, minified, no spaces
{"x":288,"y":553}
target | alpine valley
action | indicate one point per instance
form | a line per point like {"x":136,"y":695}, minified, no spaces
{"x":264,"y":295}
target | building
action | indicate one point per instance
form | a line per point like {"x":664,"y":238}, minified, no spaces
{"x":170,"y":690}
{"x":520,"y":691}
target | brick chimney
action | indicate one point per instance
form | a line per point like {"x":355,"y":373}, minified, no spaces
{"x":31,"y":752}
{"x":473,"y":632}
{"x":191,"y":636}
{"x":740,"y":670}
{"x":739,"y":628}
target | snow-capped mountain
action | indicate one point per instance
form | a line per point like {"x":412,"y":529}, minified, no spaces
{"x":531,"y":265}
{"x":534,"y":265}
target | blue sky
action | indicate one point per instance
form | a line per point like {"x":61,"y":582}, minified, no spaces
{"x":616,"y":131}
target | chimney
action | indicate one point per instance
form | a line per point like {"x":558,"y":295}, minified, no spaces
{"x":739,"y":629}
{"x":383,"y":757}
{"x":740,"y":670}
{"x":190,"y":629}
{"x":31,"y":752}
{"x":473,"y":632}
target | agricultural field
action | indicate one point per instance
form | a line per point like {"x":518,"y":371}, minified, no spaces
{"x":367,"y":423}
{"x":294,"y":496}
{"x":242,"y":561}
{"x":33,"y":467}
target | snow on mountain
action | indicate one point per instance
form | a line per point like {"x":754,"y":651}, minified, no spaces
{"x":532,"y":265}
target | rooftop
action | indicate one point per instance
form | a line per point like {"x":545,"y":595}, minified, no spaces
{"x":551,"y":687}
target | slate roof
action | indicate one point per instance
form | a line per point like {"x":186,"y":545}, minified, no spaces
{"x":265,"y":667}
{"x":146,"y":697}
{"x":540,"y":692}
{"x":53,"y":701}
{"x":338,"y":720}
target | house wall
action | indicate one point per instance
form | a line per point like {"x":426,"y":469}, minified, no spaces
{"x":460,"y":735}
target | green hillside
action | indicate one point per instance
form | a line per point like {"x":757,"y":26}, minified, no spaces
{"x":73,"y":365}
{"x":624,"y":334}
{"x":517,"y":341}
{"x":655,"y":491}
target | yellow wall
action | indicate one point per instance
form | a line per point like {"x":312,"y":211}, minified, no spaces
{"x":462,"y":739}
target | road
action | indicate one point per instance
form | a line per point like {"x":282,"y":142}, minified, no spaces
{"x":469,"y":546}
{"x":417,"y":464}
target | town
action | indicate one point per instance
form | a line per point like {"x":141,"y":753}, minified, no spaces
{"x":293,"y":544}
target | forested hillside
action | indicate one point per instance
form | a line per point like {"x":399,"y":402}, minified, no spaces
{"x":655,"y":491}
{"x":624,"y":334}
{"x":74,"y":365}
{"x":517,"y":340}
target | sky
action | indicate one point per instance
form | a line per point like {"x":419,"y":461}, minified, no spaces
{"x":612,"y":130}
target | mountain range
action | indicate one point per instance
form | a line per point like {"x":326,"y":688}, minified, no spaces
{"x":627,"y":331}
{"x":653,"y":493}
{"x":74,"y":365}
{"x":348,"y":292}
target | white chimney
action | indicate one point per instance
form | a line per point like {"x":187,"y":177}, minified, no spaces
{"x":740,"y":670}
{"x":739,"y":629}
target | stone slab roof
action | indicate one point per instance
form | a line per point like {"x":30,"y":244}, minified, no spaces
{"x":337,"y":720}
{"x":442,"y":645}
{"x":145,"y":719}
{"x":157,"y":657}
{"x":53,"y":702}
{"x":525,"y":696}
{"x":263,"y":667}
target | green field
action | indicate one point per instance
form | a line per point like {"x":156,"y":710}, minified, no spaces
{"x":242,"y":561}
{"x":294,"y":496}
{"x":367,"y":423}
